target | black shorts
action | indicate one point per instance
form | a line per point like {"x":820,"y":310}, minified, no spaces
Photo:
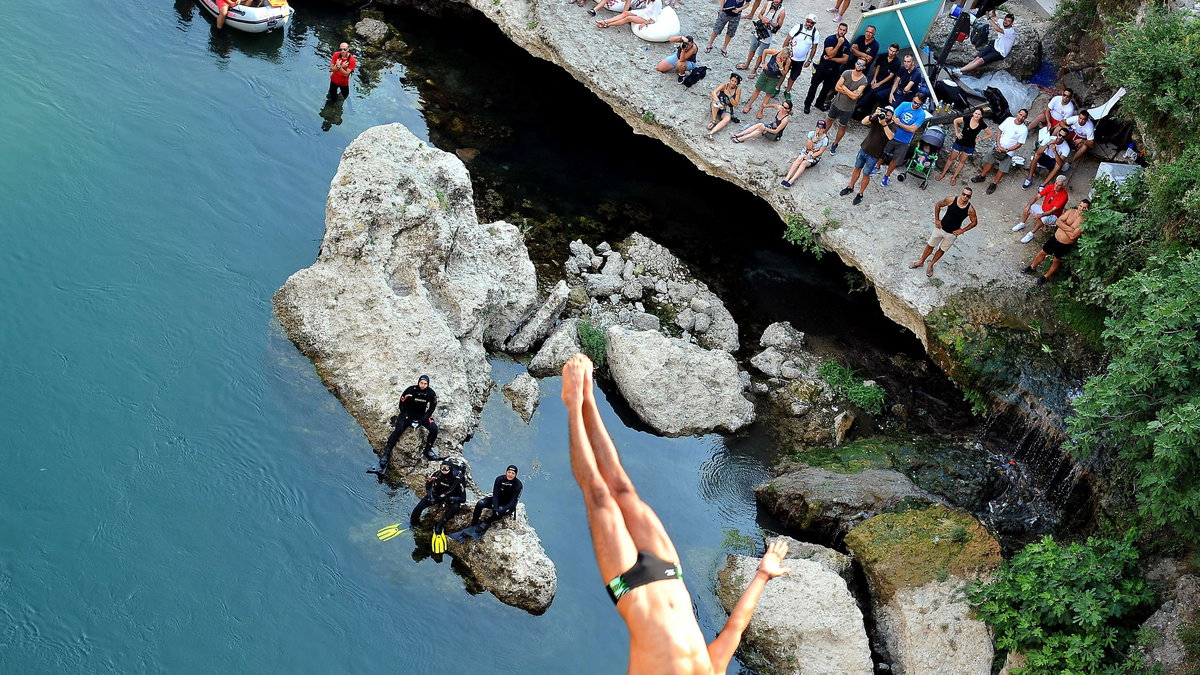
{"x":896,"y":150}
{"x":1056,"y":248}
{"x":1046,"y":161}
{"x":989,"y":53}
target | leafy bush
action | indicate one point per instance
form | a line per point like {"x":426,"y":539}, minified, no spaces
{"x":593,"y":342}
{"x":1073,"y":610}
{"x":869,"y":397}
{"x":1156,"y":62}
{"x":1146,"y":405}
{"x":797,"y":231}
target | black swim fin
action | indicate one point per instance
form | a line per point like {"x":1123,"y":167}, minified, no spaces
{"x":474,"y":533}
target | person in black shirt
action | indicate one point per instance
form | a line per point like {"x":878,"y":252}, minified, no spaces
{"x":833,"y":61}
{"x":444,"y":487}
{"x":417,"y":404}
{"x":865,"y":46}
{"x":505,"y":493}
{"x":886,"y":69}
{"x":947,"y":227}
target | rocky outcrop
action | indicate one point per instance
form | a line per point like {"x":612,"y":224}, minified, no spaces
{"x":540,"y":324}
{"x":809,"y":411}
{"x":407,"y":281}
{"x":641,"y":285}
{"x":562,"y":344}
{"x":522,"y":394}
{"x":1022,"y":62}
{"x":917,"y":564}
{"x":503,"y":562}
{"x":373,"y":31}
{"x":675,"y":387}
{"x":1181,"y":611}
{"x":829,"y":504}
{"x":806,"y":622}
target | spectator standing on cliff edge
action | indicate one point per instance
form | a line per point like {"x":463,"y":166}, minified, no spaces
{"x":1070,"y":227}
{"x":948,"y":227}
{"x":637,"y":560}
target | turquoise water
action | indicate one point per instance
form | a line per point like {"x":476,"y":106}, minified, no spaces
{"x":179,"y":491}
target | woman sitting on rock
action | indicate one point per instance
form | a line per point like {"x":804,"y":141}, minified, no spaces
{"x":773,"y":130}
{"x":643,"y":17}
{"x":814,"y":147}
{"x":725,"y":99}
{"x":613,"y":5}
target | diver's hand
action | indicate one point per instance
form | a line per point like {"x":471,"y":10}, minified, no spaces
{"x":772,"y":560}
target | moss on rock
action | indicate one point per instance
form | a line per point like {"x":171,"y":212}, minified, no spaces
{"x":910,"y":549}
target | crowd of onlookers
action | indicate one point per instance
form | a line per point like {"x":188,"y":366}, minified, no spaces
{"x":856,"y":83}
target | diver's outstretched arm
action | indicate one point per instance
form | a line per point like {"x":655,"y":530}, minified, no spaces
{"x":721,"y":649}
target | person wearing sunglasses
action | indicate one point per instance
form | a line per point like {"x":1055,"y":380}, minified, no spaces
{"x":947,"y":227}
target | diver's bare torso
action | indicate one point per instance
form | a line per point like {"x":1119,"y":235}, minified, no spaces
{"x":663,"y":634}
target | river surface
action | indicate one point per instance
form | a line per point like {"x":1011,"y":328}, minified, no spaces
{"x":179,"y":492}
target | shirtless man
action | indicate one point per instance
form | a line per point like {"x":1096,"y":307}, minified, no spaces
{"x":1070,"y":226}
{"x":636,"y":556}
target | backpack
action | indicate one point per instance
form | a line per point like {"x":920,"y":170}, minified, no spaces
{"x":998,"y":104}
{"x":695,"y":76}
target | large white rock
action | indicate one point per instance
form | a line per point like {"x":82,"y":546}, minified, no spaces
{"x":562,"y":344}
{"x":806,"y":623}
{"x":675,"y":387}
{"x":408,"y":282}
{"x":511,"y":563}
{"x":929,"y":630}
{"x":523,"y":395}
{"x":539,"y":325}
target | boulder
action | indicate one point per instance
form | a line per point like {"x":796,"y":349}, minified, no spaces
{"x":829,"y":504}
{"x":826,"y":635}
{"x":408,"y":281}
{"x":834,"y":561}
{"x":538,"y":326}
{"x":1180,"y":612}
{"x":510,"y":562}
{"x":807,"y":410}
{"x":1022,"y":62}
{"x":523,"y":395}
{"x":675,"y":387}
{"x":917,"y":564}
{"x":373,"y":31}
{"x":562,"y":344}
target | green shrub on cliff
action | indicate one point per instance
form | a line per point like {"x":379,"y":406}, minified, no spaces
{"x":1070,"y":609}
{"x":1146,"y":405}
{"x":593,"y":341}
{"x":869,"y":397}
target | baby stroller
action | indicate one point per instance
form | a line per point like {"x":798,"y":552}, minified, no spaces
{"x":925,"y":155}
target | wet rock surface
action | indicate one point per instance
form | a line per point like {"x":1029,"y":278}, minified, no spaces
{"x":523,"y":395}
{"x":826,"y":637}
{"x":807,"y":409}
{"x":407,"y":281}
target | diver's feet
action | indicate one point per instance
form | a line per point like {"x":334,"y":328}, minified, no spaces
{"x":577,"y":379}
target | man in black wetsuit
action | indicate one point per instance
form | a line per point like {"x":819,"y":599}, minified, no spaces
{"x":417,"y":404}
{"x":505,"y":493}
{"x":445,"y":487}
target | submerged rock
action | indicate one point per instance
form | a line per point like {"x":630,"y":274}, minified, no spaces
{"x":675,"y":387}
{"x":373,"y":31}
{"x":522,"y":394}
{"x":806,"y":622}
{"x":407,"y":281}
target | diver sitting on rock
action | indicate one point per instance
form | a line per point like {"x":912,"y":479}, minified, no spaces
{"x":505,"y":493}
{"x":635,"y":554}
{"x":417,"y":404}
{"x":443,"y":487}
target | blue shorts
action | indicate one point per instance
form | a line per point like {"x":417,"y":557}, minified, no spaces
{"x":674,"y":61}
{"x":959,"y":148}
{"x":863,"y":160}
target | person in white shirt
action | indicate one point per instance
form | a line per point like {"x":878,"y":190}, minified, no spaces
{"x":1052,"y":155}
{"x":1010,"y":138}
{"x":1083,"y":133}
{"x":995,"y":50}
{"x":802,"y":39}
{"x":1060,"y":108}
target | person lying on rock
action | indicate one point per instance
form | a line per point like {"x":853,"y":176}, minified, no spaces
{"x":417,"y":404}
{"x":443,"y":487}
{"x":635,"y":555}
{"x":506,"y":490}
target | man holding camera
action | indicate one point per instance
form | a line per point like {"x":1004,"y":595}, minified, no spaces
{"x":766,"y":24}
{"x":880,"y":131}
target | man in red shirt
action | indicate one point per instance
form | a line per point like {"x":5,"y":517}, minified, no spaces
{"x":1054,"y":198}
{"x":340,"y":66}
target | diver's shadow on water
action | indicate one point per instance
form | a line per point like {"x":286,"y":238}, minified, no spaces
{"x":331,"y":113}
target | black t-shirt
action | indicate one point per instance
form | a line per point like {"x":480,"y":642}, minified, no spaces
{"x":892,"y":67}
{"x":826,"y":63}
{"x":730,"y":5}
{"x":871,"y":50}
{"x":875,"y":140}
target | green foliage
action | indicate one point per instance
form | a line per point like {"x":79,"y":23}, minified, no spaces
{"x":1146,"y":404}
{"x":648,"y":116}
{"x":736,"y":542}
{"x":1156,"y":61}
{"x":869,"y":397}
{"x":1189,"y":634}
{"x":1071,"y":609}
{"x":797,"y":231}
{"x":593,"y":342}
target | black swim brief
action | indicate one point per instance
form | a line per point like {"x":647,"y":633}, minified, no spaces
{"x":648,"y":569}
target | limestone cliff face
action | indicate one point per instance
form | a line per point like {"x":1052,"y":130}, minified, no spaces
{"x":409,"y":282}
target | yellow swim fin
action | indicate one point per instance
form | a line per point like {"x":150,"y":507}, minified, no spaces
{"x":389,"y":532}
{"x":438,"y":542}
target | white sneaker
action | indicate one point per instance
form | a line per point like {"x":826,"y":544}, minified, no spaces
{"x":1027,"y":238}
{"x":1018,"y":227}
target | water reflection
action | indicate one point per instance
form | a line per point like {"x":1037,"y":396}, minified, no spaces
{"x":186,"y":9}
{"x":331,"y":114}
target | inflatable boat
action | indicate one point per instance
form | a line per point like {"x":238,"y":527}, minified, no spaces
{"x":253,"y":16}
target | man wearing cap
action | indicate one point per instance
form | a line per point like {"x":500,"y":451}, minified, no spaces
{"x":881,"y":129}
{"x":1054,"y":200}
{"x":417,"y":404}
{"x":802,"y":40}
{"x":506,"y":490}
